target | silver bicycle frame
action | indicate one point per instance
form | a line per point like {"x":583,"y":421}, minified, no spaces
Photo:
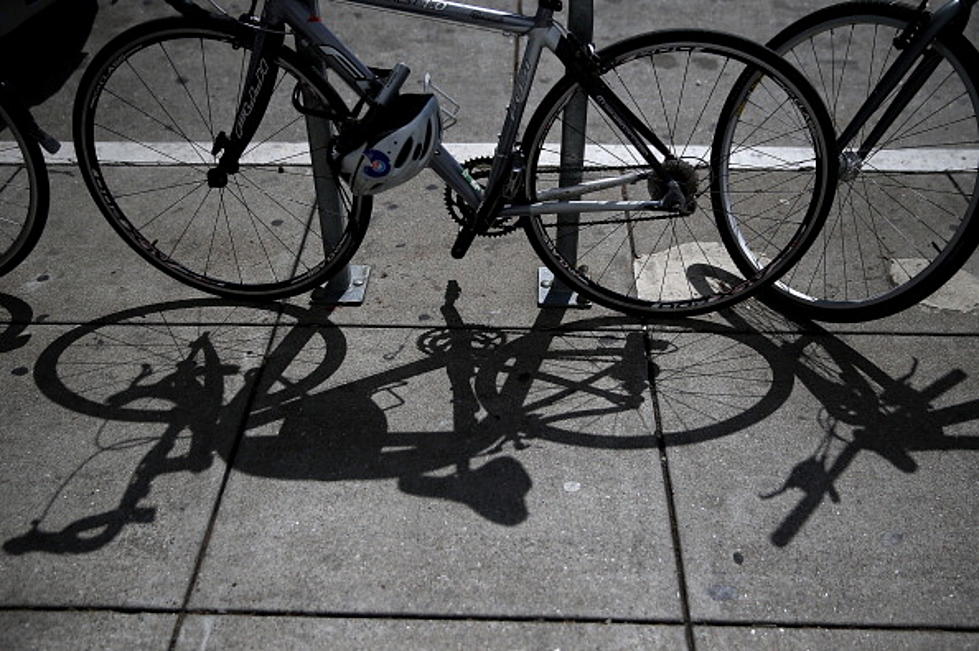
{"x":302,"y":16}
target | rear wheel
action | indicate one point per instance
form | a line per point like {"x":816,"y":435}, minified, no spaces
{"x":152,"y":106}
{"x":766,"y":162}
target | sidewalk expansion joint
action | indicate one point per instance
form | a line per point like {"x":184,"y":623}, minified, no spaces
{"x":225,"y":479}
{"x":482,"y":617}
{"x":668,"y":490}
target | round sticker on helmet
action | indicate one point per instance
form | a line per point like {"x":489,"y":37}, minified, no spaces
{"x":378,"y":164}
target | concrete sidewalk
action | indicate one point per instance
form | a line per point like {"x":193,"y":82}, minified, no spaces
{"x":447,"y":466}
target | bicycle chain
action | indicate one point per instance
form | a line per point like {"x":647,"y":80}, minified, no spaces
{"x":461,"y":212}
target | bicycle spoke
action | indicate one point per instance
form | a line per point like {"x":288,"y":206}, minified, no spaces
{"x":182,"y":81}
{"x":703,"y":109}
{"x":190,"y":222}
{"x":173,"y":127}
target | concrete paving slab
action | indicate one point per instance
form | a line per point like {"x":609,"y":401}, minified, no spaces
{"x":615,"y":20}
{"x":260,"y":633}
{"x":474,"y":66}
{"x":33,"y":629}
{"x":411,"y":482}
{"x":380,"y":38}
{"x":81,"y":270}
{"x":823,"y":478}
{"x":111,"y":432}
{"x":801,"y":638}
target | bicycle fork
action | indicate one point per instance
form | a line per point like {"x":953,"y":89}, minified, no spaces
{"x":258,"y":88}
{"x":915,"y":40}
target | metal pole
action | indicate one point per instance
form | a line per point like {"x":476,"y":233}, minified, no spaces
{"x":349,"y":285}
{"x":551,"y":292}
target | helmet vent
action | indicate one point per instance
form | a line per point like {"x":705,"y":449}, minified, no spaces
{"x":403,"y":154}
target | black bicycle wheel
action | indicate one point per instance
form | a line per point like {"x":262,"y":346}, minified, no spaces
{"x":24,"y":192}
{"x":903,"y":219}
{"x":149,"y":110}
{"x":775,"y":169}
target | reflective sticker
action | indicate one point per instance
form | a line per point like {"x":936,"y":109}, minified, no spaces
{"x":378,"y":164}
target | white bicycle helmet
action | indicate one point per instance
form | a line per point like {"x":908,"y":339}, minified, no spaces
{"x":402,"y":147}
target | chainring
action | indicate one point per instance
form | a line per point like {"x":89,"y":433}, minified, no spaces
{"x":461,"y":213}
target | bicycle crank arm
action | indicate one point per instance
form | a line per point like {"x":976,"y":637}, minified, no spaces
{"x":575,"y":207}
{"x":465,"y":238}
{"x":591,"y":186}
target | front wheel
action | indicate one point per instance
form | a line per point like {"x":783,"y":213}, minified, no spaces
{"x":766,"y":162}
{"x":151,"y":112}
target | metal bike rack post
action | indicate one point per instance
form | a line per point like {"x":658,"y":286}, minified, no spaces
{"x":550,"y":291}
{"x":349,"y":285}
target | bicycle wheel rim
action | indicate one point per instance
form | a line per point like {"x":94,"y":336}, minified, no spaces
{"x":23,"y":191}
{"x":902,"y":224}
{"x":258,"y":237}
{"x":680,"y":256}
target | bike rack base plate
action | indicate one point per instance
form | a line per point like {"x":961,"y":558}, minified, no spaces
{"x":552,"y":292}
{"x":352,"y":292}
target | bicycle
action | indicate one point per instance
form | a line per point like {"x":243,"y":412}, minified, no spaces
{"x":200,"y":137}
{"x":24,"y":192}
{"x":904,"y":100}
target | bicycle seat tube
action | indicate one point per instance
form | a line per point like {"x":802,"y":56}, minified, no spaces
{"x":544,"y":33}
{"x":581,"y":62}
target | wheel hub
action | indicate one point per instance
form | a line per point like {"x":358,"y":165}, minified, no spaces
{"x":850,"y":166}
{"x":686,"y":177}
{"x":217,"y":178}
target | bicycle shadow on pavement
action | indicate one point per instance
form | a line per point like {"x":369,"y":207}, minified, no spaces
{"x":274,"y":406}
{"x":862,"y":407}
{"x":344,"y":432}
{"x":133,"y":368}
{"x":18,"y":316}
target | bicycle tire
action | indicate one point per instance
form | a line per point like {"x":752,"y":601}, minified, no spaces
{"x":893,"y":238}
{"x":24,"y":189}
{"x":652,"y":271}
{"x":258,"y":237}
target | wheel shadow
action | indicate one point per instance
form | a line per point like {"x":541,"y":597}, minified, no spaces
{"x":17,"y":315}
{"x":862,"y":408}
{"x":185,"y":369}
